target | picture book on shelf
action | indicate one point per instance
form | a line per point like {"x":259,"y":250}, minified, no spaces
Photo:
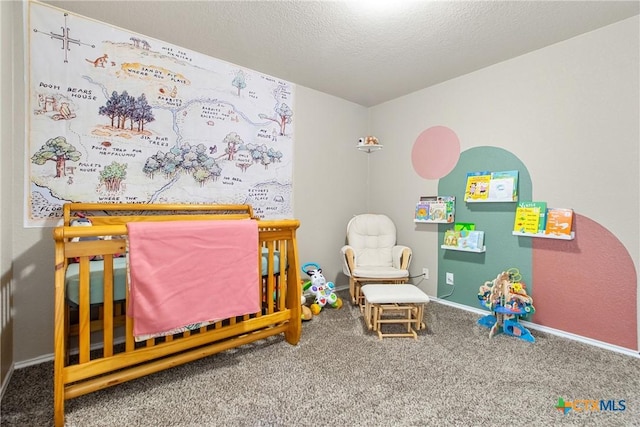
{"x":503,"y":186}
{"x":471,"y":240}
{"x":435,"y":209}
{"x":451,"y":238}
{"x":559,"y":221}
{"x":422,"y":211}
{"x":477,"y":186}
{"x":464,"y":226}
{"x":530,"y":217}
{"x":438,"y":211}
{"x":450,"y":205}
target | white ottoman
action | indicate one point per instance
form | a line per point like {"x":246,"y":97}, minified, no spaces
{"x":406,"y":302}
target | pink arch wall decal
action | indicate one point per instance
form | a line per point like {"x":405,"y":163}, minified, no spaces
{"x":587,"y":286}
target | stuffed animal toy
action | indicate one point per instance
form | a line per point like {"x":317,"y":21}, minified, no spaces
{"x":307,"y":314}
{"x":368,"y":140}
{"x":322,"y":290}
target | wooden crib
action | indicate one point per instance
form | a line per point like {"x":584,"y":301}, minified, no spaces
{"x":94,"y":343}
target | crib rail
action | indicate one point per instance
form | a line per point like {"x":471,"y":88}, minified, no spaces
{"x":94,"y":344}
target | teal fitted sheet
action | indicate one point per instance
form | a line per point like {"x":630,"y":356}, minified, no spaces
{"x":72,"y":278}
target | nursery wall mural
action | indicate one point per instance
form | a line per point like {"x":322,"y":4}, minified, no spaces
{"x":118,"y":117}
{"x":585,"y":286}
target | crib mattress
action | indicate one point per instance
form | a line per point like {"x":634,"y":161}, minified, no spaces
{"x":96,"y":277}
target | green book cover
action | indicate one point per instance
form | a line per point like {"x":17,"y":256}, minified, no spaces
{"x":530,"y":217}
{"x":458,"y":226}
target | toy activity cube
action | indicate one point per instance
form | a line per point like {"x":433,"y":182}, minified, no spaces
{"x":395,"y":304}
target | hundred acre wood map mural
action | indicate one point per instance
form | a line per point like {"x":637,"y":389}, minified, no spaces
{"x":116,"y":117}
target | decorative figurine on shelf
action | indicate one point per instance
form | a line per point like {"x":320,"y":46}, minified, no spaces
{"x":507,"y":298}
{"x":368,"y":140}
{"x":320,"y":288}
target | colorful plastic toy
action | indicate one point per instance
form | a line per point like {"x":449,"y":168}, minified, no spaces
{"x":507,"y":298}
{"x":322,"y":290}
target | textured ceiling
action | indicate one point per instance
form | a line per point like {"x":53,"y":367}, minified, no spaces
{"x":352,"y":49}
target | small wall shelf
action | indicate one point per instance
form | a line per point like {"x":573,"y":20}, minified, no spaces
{"x":456,"y":248}
{"x":491,"y":201}
{"x":428,"y":221}
{"x":369,"y":148}
{"x":547,"y":236}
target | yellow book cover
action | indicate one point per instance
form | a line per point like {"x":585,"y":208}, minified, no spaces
{"x":530,"y":217}
{"x":527,"y":219}
{"x":477,"y":186}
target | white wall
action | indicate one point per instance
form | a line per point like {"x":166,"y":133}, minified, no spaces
{"x":7,"y":118}
{"x":329,"y":177}
{"x":578,"y":99}
{"x":570,"y":112}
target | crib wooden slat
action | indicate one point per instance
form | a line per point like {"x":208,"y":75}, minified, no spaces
{"x":84,"y":321}
{"x":129,"y":341}
{"x":282,"y":279}
{"x":270,"y":275}
{"x":107,"y":330}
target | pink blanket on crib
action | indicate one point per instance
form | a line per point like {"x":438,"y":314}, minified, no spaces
{"x":186,"y":272}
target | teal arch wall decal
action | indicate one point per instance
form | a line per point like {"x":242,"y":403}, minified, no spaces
{"x":586,"y":286}
{"x":504,"y":250}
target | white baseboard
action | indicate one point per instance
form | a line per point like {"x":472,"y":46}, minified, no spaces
{"x":5,"y":383}
{"x":35,"y":361}
{"x":552,"y":331}
{"x":49,"y":357}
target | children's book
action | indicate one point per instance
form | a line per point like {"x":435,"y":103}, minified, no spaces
{"x":451,"y":238}
{"x":422,"y":211}
{"x":559,"y":221}
{"x":503,"y":186}
{"x":458,"y":226}
{"x":472,"y":240}
{"x":438,"y":211}
{"x":450,"y":202}
{"x":530,"y":217}
{"x":477,"y":186}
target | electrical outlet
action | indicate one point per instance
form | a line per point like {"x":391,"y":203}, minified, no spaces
{"x":449,"y":278}
{"x":425,"y":273}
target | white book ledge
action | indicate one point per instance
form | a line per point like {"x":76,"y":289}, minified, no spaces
{"x":456,"y":248}
{"x":547,"y":236}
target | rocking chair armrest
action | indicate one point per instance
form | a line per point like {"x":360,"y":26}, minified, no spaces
{"x":348,"y":259}
{"x":401,"y":257}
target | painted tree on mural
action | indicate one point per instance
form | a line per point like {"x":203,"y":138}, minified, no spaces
{"x":264,"y":155}
{"x":284,"y":114}
{"x":57,"y":150}
{"x":112,"y":176}
{"x":184,"y":159}
{"x":122,"y":107}
{"x":233,"y":141}
{"x":239,"y":81}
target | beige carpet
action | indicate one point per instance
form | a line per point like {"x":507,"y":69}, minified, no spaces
{"x":342,"y":375}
